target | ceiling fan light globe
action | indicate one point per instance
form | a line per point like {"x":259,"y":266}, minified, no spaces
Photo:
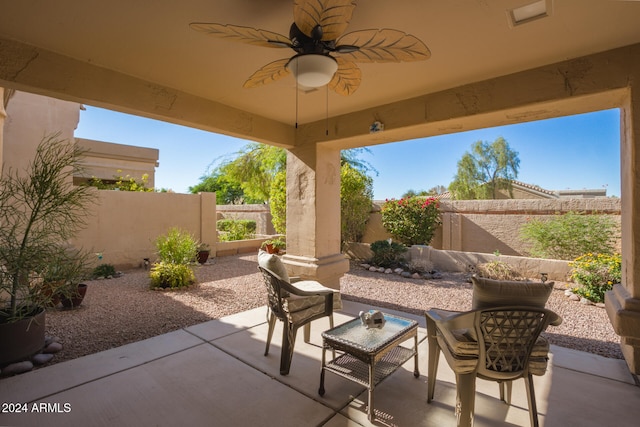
{"x":313,"y":70}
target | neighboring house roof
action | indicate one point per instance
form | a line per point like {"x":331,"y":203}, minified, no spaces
{"x":522,"y":190}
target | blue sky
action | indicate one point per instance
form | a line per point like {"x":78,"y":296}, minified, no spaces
{"x":574,"y":152}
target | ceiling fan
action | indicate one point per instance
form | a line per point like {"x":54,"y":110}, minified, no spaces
{"x":323,"y":54}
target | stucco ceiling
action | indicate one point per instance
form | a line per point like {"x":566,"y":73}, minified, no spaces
{"x":470,"y":40}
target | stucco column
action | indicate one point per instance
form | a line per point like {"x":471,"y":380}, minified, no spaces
{"x":313,"y":215}
{"x":623,"y":302}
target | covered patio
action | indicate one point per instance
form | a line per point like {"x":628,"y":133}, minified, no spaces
{"x":488,"y":68}
{"x":215,"y":373}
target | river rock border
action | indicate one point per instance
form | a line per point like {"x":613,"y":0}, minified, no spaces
{"x":582,"y":300}
{"x":51,"y":347}
{"x":402,"y":272}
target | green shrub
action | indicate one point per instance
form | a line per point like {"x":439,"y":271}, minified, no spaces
{"x":570,"y":235}
{"x":177,"y":247}
{"x":278,"y":202}
{"x":103,"y":270}
{"x":387,"y":253}
{"x":596,"y":274}
{"x":236,"y":229}
{"x":356,"y":193}
{"x":122,"y":183}
{"x":412,"y":220}
{"x":167,"y":275}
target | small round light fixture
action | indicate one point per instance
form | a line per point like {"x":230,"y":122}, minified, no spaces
{"x":312,"y":70}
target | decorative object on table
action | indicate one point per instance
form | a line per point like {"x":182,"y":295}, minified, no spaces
{"x":372,"y":319}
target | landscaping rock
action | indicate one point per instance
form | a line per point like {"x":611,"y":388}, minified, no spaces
{"x":17,"y":368}
{"x":437,"y":275}
{"x":42,"y":358}
{"x":405,"y":274}
{"x":398,"y":270}
{"x":574,"y":297}
{"x":568,"y":292}
{"x":365,"y":266}
{"x":380,"y":269}
{"x":427,"y":276}
{"x":600,"y":304}
{"x":388,"y":271}
{"x":372,"y":268}
{"x":415,"y":276}
{"x":54,"y":347}
{"x":585,"y":301}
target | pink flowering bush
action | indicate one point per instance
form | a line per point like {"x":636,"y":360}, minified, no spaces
{"x":412,"y":220}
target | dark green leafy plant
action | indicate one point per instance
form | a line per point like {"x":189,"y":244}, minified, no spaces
{"x":413,"y":220}
{"x":596,"y":274}
{"x":103,"y":270}
{"x":570,"y":235}
{"x":387,"y":253}
{"x":39,"y":208}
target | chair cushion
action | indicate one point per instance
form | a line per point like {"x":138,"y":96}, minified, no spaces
{"x":489,"y":293}
{"x":272,"y":263}
{"x":314,"y":286}
{"x":463,"y":347}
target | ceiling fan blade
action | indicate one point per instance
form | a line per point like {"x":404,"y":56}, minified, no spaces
{"x":242,"y":34}
{"x":383,"y":45}
{"x":347,"y":78}
{"x":332,"y":15}
{"x":269,"y":73}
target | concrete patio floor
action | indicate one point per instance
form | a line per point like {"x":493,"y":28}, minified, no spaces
{"x":215,"y":374}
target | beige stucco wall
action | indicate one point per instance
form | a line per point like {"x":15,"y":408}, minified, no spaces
{"x":261,"y":214}
{"x":490,"y":225}
{"x":123,"y":225}
{"x":30,"y":118}
{"x":105,"y":160}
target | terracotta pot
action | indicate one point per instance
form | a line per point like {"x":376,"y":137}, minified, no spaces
{"x":75,"y":300}
{"x":22,"y":339}
{"x":271,"y":249}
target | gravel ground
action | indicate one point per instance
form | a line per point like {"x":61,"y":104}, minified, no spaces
{"x":123,"y":310}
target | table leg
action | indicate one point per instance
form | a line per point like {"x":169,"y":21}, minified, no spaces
{"x":372,"y":377}
{"x":416,"y":371}
{"x":321,"y":389}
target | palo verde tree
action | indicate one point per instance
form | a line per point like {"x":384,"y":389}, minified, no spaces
{"x":488,"y":168}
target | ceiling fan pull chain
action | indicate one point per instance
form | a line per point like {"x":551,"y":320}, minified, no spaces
{"x":296,"y":65}
{"x":326,"y":132}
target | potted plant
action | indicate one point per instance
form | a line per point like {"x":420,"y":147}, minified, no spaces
{"x":274,"y":246}
{"x":203,"y":253}
{"x":39,"y":208}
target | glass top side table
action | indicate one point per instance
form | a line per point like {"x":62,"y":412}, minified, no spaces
{"x":369,"y":355}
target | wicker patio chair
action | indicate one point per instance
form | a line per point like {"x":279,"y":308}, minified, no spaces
{"x":296,"y":303}
{"x":496,"y":344}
